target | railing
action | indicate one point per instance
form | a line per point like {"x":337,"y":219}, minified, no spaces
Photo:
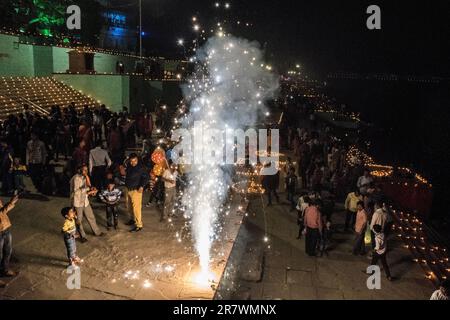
{"x":35,"y":107}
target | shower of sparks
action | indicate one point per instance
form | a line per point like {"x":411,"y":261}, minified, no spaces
{"x":204,"y":278}
{"x":226,"y":92}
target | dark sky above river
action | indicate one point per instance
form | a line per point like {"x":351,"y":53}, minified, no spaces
{"x":323,"y":35}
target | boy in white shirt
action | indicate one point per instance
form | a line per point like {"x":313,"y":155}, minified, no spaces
{"x":443,"y":293}
{"x":379,"y":252}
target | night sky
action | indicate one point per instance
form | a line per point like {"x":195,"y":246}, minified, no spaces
{"x":323,"y":35}
{"x":327,"y":36}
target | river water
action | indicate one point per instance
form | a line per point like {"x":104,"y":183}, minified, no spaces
{"x":411,"y":126}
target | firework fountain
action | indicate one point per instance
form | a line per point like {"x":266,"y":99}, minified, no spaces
{"x":227,"y":91}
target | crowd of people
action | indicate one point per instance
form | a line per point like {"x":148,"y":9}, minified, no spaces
{"x":316,"y":176}
{"x":91,"y":147}
{"x":93,"y":144}
{"x":33,"y":144}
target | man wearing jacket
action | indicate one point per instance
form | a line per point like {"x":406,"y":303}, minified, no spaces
{"x":135,"y":181}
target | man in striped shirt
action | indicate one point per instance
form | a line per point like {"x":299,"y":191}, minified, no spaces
{"x":111,"y":197}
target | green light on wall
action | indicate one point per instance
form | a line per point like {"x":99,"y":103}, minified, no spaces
{"x":46,"y":32}
{"x":47,"y":17}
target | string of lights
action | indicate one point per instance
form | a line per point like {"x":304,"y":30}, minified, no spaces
{"x":432,"y":258}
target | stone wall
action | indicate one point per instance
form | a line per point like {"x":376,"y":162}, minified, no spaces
{"x":19,"y":59}
{"x":117,"y":91}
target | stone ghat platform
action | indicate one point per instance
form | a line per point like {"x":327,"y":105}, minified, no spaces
{"x":157,"y":263}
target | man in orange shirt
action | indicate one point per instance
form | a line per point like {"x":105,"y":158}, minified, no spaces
{"x":313,"y":224}
{"x":360,"y":229}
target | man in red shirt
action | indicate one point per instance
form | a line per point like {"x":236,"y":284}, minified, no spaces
{"x":80,"y":156}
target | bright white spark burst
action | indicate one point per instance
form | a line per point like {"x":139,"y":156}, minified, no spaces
{"x":226,"y":90}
